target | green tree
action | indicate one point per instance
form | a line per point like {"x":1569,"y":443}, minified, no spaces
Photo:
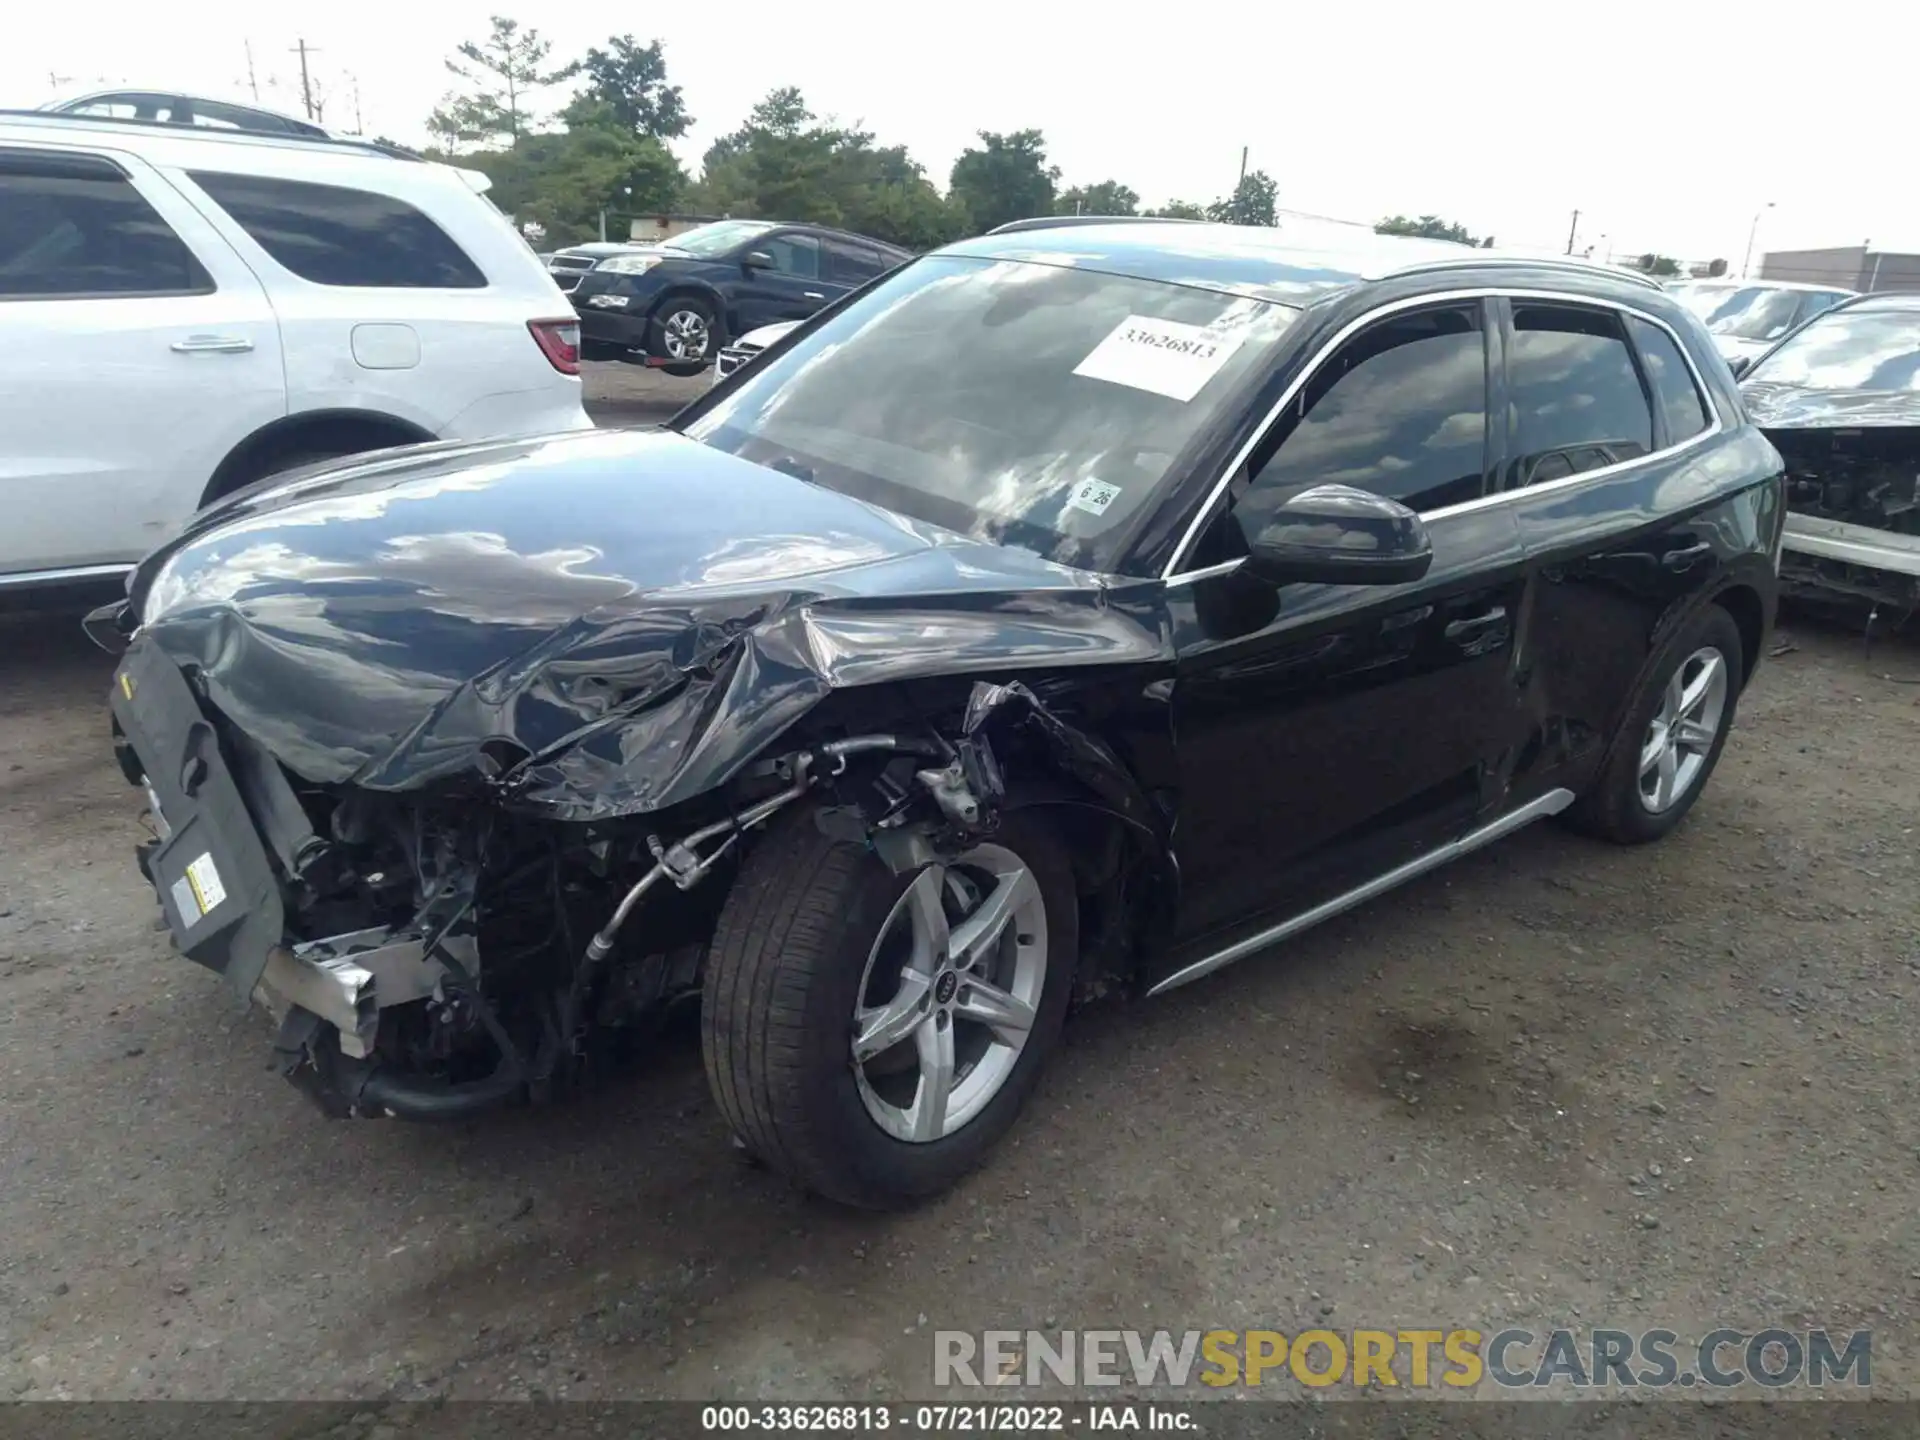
{"x":785,"y":164}
{"x":1179,"y":210}
{"x":504,"y":70}
{"x":631,"y":79}
{"x":1005,"y":178}
{"x":563,"y":179}
{"x":1109,"y":197}
{"x":1659,"y":264}
{"x":1430,"y":227}
{"x":1251,"y":202}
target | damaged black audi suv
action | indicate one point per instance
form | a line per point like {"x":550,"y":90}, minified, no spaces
{"x":1069,"y":609}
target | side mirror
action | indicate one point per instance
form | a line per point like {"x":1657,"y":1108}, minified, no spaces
{"x":1740,"y":364}
{"x":756,"y":260}
{"x":1336,"y":535}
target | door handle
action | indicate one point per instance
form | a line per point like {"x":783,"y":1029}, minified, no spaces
{"x":1474,"y":624}
{"x":1686,"y":559}
{"x":811,"y":295}
{"x":212,"y":345}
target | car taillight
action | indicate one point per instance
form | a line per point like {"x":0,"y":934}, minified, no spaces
{"x":559,"y":341}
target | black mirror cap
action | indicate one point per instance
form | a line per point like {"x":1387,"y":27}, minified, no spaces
{"x":1739,"y":365}
{"x":756,"y":260}
{"x":1336,"y":535}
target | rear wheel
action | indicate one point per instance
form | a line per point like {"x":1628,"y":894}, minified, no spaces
{"x":1673,"y":735}
{"x":872,"y":1036}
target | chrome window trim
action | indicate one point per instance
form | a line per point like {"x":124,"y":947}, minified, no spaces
{"x":1173,"y":575}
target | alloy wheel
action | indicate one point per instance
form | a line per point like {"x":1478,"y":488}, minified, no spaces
{"x":686,"y":335}
{"x":950,"y":993}
{"x":1673,"y":754}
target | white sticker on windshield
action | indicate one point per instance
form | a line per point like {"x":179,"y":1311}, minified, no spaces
{"x":1164,"y":356}
{"x":1093,"y":496}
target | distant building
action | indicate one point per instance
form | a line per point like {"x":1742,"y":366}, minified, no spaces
{"x":1853,"y":267}
{"x":651,"y":229}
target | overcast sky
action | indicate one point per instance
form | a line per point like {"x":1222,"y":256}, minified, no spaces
{"x":1668,"y":127}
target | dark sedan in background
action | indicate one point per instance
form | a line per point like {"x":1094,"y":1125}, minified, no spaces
{"x":674,"y":305}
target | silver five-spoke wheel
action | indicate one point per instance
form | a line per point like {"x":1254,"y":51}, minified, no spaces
{"x":1674,"y":752}
{"x":950,"y":993}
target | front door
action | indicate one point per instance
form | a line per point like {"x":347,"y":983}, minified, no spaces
{"x":1326,"y":734}
{"x":136,"y":349}
{"x":792,"y":288}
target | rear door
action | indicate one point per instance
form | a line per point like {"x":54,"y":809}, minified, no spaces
{"x":1612,"y":484}
{"x":1326,"y":734}
{"x":136,"y":350}
{"x":398,"y":293}
{"x":792,"y":288}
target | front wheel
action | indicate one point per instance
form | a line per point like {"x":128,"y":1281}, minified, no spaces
{"x":683,"y":335}
{"x":873,"y":1035}
{"x":1673,"y":735}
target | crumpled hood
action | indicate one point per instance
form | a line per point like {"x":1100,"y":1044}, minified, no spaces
{"x":600,"y":624}
{"x":1791,"y":407}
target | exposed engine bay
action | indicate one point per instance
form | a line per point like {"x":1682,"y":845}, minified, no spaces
{"x":430,"y":955}
{"x":1841,"y":482}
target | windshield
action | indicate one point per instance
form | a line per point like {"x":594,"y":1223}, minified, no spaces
{"x":1753,"y":312}
{"x":717,"y":238}
{"x":1850,"y":350}
{"x":1028,"y":403}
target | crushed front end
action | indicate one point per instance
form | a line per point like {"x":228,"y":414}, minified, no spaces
{"x":1853,"y":523}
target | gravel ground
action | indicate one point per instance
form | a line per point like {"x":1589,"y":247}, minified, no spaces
{"x":1558,"y":1083}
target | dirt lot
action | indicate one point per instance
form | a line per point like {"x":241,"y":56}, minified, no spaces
{"x":1557,"y":1084}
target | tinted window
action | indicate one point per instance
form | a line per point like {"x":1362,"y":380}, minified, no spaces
{"x":1672,"y":382}
{"x":851,"y":264}
{"x":78,"y":227}
{"x":1576,"y":397}
{"x":1401,"y":411}
{"x":797,"y":255}
{"x":335,"y":236}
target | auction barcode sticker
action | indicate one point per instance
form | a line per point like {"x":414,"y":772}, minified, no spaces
{"x":1165,"y":357}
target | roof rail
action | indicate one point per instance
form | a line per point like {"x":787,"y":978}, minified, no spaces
{"x":1471,"y":261}
{"x":207,"y":132}
{"x":1055,"y":222}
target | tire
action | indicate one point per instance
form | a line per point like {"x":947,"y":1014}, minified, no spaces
{"x":677,"y":323}
{"x":808,"y":937}
{"x":1618,"y":805}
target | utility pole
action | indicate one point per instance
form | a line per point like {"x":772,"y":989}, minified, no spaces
{"x":306,"y":85}
{"x":1573,"y":230}
{"x":359,"y":127}
{"x":56,"y":81}
{"x":1243,"y":169}
{"x":253,"y":82}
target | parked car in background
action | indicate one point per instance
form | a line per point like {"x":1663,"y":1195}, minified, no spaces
{"x":1746,"y":316}
{"x":187,"y":310}
{"x":569,"y":265}
{"x":1047,"y":616}
{"x":1840,"y":400}
{"x":675,"y":304}
{"x":747,"y":348}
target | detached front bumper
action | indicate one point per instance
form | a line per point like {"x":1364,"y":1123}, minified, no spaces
{"x":218,"y":876}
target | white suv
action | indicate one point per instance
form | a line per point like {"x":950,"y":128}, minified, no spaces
{"x":185,"y":311}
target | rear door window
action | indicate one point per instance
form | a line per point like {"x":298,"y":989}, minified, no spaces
{"x":851,"y":264}
{"x":74,"y":226}
{"x":333,"y":235}
{"x":1671,"y":381}
{"x":1575,"y":398}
